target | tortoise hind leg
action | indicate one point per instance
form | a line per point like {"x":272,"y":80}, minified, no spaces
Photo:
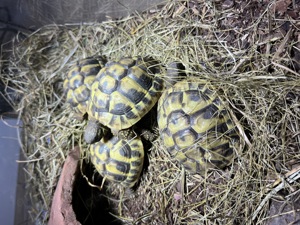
{"x":126,"y":134}
{"x":148,"y":135}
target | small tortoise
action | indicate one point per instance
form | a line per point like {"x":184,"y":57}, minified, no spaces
{"x":79,"y":80}
{"x":195,"y":127}
{"x":122,"y":93}
{"x":119,"y":160}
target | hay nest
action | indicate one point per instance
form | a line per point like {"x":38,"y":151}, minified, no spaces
{"x":249,"y":51}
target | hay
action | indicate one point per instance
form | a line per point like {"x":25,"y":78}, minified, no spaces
{"x":248,"y":60}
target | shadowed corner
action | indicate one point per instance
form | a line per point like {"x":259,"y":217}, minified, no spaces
{"x":75,"y":201}
{"x":90,"y":205}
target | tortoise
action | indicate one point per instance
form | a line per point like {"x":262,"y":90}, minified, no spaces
{"x":119,"y":160}
{"x":78,"y":83}
{"x":195,"y":126}
{"x":122,"y":93}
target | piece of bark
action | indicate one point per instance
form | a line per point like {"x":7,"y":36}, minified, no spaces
{"x":62,"y":212}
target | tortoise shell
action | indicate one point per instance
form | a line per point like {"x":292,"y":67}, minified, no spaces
{"x":79,"y":80}
{"x":195,"y":127}
{"x":124,"y":91}
{"x":119,"y":160}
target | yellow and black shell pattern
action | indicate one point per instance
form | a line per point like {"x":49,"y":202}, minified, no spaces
{"x":119,"y":160}
{"x":79,"y":80}
{"x":124,"y":91}
{"x":195,"y":127}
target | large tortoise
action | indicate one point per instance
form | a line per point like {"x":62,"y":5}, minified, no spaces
{"x":122,"y":93}
{"x":195,"y":126}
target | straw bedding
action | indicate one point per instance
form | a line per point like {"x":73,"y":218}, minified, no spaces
{"x":248,"y":51}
